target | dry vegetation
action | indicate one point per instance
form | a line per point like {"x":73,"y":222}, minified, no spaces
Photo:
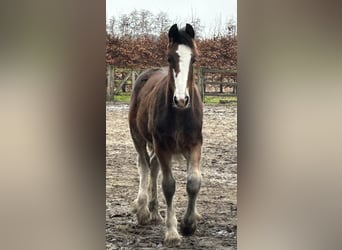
{"x":149,"y":51}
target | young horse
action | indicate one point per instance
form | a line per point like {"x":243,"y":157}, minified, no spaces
{"x":166,"y":116}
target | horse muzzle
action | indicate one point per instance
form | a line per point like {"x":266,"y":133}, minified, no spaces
{"x":181,"y":103}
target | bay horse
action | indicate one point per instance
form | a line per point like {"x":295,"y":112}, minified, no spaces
{"x":165,"y":119}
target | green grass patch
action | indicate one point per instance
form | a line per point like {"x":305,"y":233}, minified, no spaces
{"x":122,"y":97}
{"x":220,"y":99}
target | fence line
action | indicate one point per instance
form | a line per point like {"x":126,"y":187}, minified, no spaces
{"x":209,"y":79}
{"x":211,"y":82}
{"x":119,"y":80}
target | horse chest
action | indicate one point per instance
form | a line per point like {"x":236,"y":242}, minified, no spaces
{"x":180,"y":140}
{"x":176,"y":135}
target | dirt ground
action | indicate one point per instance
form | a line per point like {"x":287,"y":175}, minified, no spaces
{"x":216,"y":201}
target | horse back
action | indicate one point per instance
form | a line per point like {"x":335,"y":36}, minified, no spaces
{"x":144,"y":84}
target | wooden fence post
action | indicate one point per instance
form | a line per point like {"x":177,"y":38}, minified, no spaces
{"x":200,"y":82}
{"x":133,"y":78}
{"x":203,"y":83}
{"x":110,"y":82}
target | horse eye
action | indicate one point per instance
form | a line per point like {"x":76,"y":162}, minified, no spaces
{"x":169,"y":59}
{"x":193,"y":59}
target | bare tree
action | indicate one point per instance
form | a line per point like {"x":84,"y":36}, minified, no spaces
{"x":196,"y":23}
{"x":124,"y":25}
{"x":134,"y":23}
{"x":161,"y":23}
{"x":231,"y":28}
{"x":146,"y":18}
{"x":111,"y":26}
{"x":218,"y":29}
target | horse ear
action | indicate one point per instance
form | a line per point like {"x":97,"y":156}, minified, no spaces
{"x":173,"y":33}
{"x":190,"y":30}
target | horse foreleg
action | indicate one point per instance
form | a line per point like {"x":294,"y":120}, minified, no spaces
{"x":172,"y":237}
{"x":193,"y":185}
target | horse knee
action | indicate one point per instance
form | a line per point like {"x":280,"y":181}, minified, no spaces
{"x":193,"y":184}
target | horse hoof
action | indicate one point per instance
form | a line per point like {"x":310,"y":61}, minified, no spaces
{"x":172,"y":239}
{"x":188,"y":229}
{"x":143,"y":216}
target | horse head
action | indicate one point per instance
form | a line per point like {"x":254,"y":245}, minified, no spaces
{"x":181,"y":55}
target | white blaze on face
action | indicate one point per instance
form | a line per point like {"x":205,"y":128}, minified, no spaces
{"x":181,"y":79}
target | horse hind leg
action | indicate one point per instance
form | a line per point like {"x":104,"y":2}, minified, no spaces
{"x":153,"y":204}
{"x":141,"y":203}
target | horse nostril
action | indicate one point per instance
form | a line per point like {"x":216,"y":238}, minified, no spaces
{"x":175,"y":100}
{"x":186,"y":99}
